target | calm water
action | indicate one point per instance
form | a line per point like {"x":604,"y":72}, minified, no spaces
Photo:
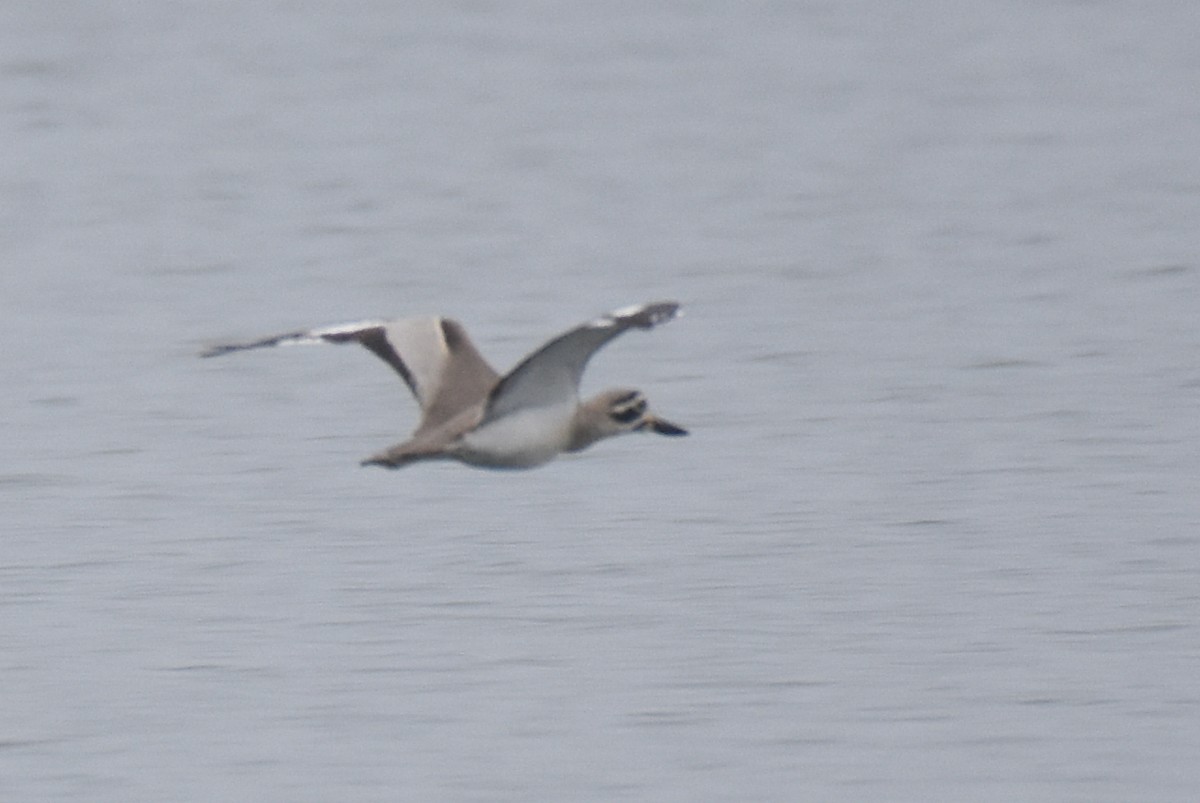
{"x":936,"y":534}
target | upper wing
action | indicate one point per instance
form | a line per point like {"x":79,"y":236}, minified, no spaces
{"x":551,"y":374}
{"x":433,"y":356}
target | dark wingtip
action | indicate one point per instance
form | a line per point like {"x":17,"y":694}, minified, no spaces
{"x":659,"y":312}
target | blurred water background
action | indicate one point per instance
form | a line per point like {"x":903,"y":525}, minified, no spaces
{"x":935,"y":535}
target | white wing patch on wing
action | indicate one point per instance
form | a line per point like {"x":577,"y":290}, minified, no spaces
{"x":325,"y":334}
{"x":421,"y":343}
{"x":318,"y":335}
{"x":611,"y":319}
{"x":626,"y":312}
{"x":654,"y":315}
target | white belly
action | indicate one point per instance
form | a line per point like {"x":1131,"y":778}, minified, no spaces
{"x":520,"y":440}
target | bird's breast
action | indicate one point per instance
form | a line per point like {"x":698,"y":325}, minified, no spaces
{"x":522,"y":439}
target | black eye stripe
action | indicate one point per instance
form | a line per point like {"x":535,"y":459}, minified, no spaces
{"x":627,"y":415}
{"x":627,"y":408}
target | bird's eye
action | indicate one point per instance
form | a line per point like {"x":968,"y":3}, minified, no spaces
{"x":628,"y":408}
{"x":625,"y":415}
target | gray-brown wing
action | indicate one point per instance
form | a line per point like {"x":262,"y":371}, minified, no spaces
{"x":550,"y":375}
{"x":434,"y":356}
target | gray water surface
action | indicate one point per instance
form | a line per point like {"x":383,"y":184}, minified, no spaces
{"x":935,"y":535}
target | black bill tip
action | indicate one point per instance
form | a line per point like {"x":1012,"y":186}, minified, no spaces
{"x":664,"y":427}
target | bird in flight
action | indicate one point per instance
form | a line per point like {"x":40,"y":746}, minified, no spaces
{"x":472,"y":414}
